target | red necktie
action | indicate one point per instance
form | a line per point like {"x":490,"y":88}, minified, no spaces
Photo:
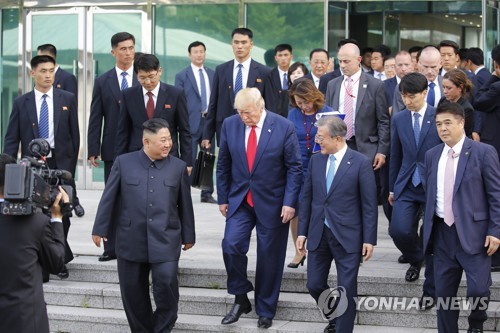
{"x":251,"y":150}
{"x":150,"y":106}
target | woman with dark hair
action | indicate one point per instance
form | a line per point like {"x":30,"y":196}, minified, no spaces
{"x":307,"y":101}
{"x":295,"y":71}
{"x":457,"y":88}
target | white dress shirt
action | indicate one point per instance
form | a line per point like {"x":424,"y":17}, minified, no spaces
{"x":155,"y":95}
{"x":244,"y":72}
{"x":315,"y":80}
{"x":50,"y":103}
{"x":437,"y":91}
{"x":258,"y":129}
{"x":354,"y":94}
{"x":379,"y":75}
{"x":130,"y":73}
{"x":338,"y":159}
{"x":196,"y":73}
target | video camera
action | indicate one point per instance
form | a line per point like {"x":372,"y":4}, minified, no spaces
{"x":31,"y":185}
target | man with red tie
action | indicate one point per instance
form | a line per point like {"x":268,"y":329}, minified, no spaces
{"x":259,"y":174}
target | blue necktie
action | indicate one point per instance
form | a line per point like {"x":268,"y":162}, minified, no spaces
{"x":415,"y":179}
{"x":285,"y":82}
{"x":124,"y":84}
{"x":431,"y":95}
{"x":43,"y":122}
{"x":203,"y":91}
{"x":329,"y":178}
{"x":238,"y":85}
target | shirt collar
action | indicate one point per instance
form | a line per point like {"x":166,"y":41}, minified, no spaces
{"x":478,"y":69}
{"x":355,"y":77}
{"x":39,"y":94}
{"x":195,"y":68}
{"x":457,"y":148}
{"x":260,"y":124}
{"x":154,"y":91}
{"x":421,"y":112}
{"x":129,"y":71}
{"x":281,"y":73}
{"x":246,"y":63}
{"x":340,"y":154}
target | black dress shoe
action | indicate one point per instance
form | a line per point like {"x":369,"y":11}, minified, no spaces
{"x":402,"y":260}
{"x":330,"y":328}
{"x":209,"y":199}
{"x":426,"y":302}
{"x":236,"y":311}
{"x":474,"y":330}
{"x":413,"y":273}
{"x":264,"y":322}
{"x":107,"y":257}
{"x":300,"y":263}
{"x":495,"y":269}
{"x":79,"y":211}
{"x":64,"y":274}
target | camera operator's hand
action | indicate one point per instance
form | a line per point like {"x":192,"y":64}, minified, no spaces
{"x":97,"y":240}
{"x":55,"y":210}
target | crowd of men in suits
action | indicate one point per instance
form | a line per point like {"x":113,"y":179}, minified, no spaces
{"x":396,"y":126}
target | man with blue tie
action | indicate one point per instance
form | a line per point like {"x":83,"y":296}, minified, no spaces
{"x":462,"y":217}
{"x":196,"y":80}
{"x":231,"y":77}
{"x":50,"y":114}
{"x":276,"y":84}
{"x":338,"y":216}
{"x":259,"y":174}
{"x":412,"y":134}
{"x":105,"y":108}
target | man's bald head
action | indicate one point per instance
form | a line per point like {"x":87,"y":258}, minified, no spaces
{"x":349,"y":58}
{"x":429,"y":62}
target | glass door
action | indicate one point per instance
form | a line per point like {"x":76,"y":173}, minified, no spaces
{"x":491,"y":21}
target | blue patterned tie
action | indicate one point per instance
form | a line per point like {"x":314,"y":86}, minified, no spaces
{"x":238,"y":85}
{"x":415,"y":179}
{"x":329,"y":178}
{"x":285,"y":82}
{"x":124,"y":84}
{"x":203,"y":91}
{"x":431,"y":95}
{"x":43,"y":122}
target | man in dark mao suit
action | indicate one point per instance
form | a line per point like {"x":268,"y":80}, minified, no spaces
{"x":462,"y":217}
{"x":259,"y":174}
{"x":59,"y":127}
{"x":338,"y":217}
{"x":253,"y":74}
{"x":28,"y":243}
{"x":166,"y":102}
{"x":155,"y":218}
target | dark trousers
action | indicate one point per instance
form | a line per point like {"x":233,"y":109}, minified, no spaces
{"x":196,"y":139}
{"x":406,"y":214}
{"x":109,"y":245}
{"x":318,"y":267}
{"x":450,"y":262}
{"x":271,"y":252}
{"x":134,"y":287}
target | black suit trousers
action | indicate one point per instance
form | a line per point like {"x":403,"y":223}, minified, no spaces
{"x":134,"y":287}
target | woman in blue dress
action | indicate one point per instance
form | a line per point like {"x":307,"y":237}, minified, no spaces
{"x":307,"y":101}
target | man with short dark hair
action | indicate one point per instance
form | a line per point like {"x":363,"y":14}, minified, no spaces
{"x":50,"y":114}
{"x":66,"y":81}
{"x":197,"y":82}
{"x":412,"y":134}
{"x":28,"y":243}
{"x":231,"y":77}
{"x":153,"y":99}
{"x":462,"y":217}
{"x":318,"y":62}
{"x":377,"y":61}
{"x":105,"y":107}
{"x":276,"y":84}
{"x":414,"y":51}
{"x":366,"y":59}
{"x":149,"y":191}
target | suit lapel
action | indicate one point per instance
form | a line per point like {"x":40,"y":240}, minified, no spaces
{"x":426,"y":125}
{"x":192,"y":79}
{"x":229,"y":80}
{"x":342,"y":168}
{"x":252,"y":75}
{"x":321,"y":171}
{"x":31,"y":107}
{"x":336,"y":96}
{"x":161,"y":100}
{"x":113,"y":84}
{"x":265,"y":136}
{"x":135,"y":82}
{"x":408,"y":129}
{"x":58,"y":108}
{"x":277,"y":80}
{"x":462,"y":163}
{"x":363,"y":84}
{"x":240,"y":133}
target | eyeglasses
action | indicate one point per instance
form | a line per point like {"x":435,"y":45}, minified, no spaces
{"x":150,"y":77}
{"x":318,"y":139}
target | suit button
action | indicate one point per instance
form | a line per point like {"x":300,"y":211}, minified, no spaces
{"x":151,"y":191}
{"x":152,"y":177}
{"x":150,"y":205}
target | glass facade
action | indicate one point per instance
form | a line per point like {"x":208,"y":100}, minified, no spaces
{"x":166,"y":28}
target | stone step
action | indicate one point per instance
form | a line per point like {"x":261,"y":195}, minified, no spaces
{"x":83,"y":320}
{"x":382,"y":279}
{"x":297,"y":307}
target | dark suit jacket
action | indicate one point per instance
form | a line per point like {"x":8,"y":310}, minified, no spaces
{"x":476,"y":195}
{"x":277,"y":159}
{"x":221,"y":104}
{"x":323,"y":81}
{"x":487,"y":101}
{"x":405,"y":154}
{"x":276,"y":98}
{"x":66,"y":81}
{"x":151,"y":226}
{"x":390,"y":86}
{"x":106,"y":99}
{"x":398,"y":104}
{"x":186,"y":80}
{"x":350,"y":206}
{"x":27,"y":244}
{"x":469,"y":114}
{"x":478,"y":81}
{"x":23,"y":127}
{"x":371,"y":114}
{"x":170,"y":105}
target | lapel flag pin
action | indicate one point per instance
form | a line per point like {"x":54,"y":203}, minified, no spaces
{"x":365,"y":86}
{"x":269,"y":130}
{"x":349,"y":162}
{"x":65,"y":108}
